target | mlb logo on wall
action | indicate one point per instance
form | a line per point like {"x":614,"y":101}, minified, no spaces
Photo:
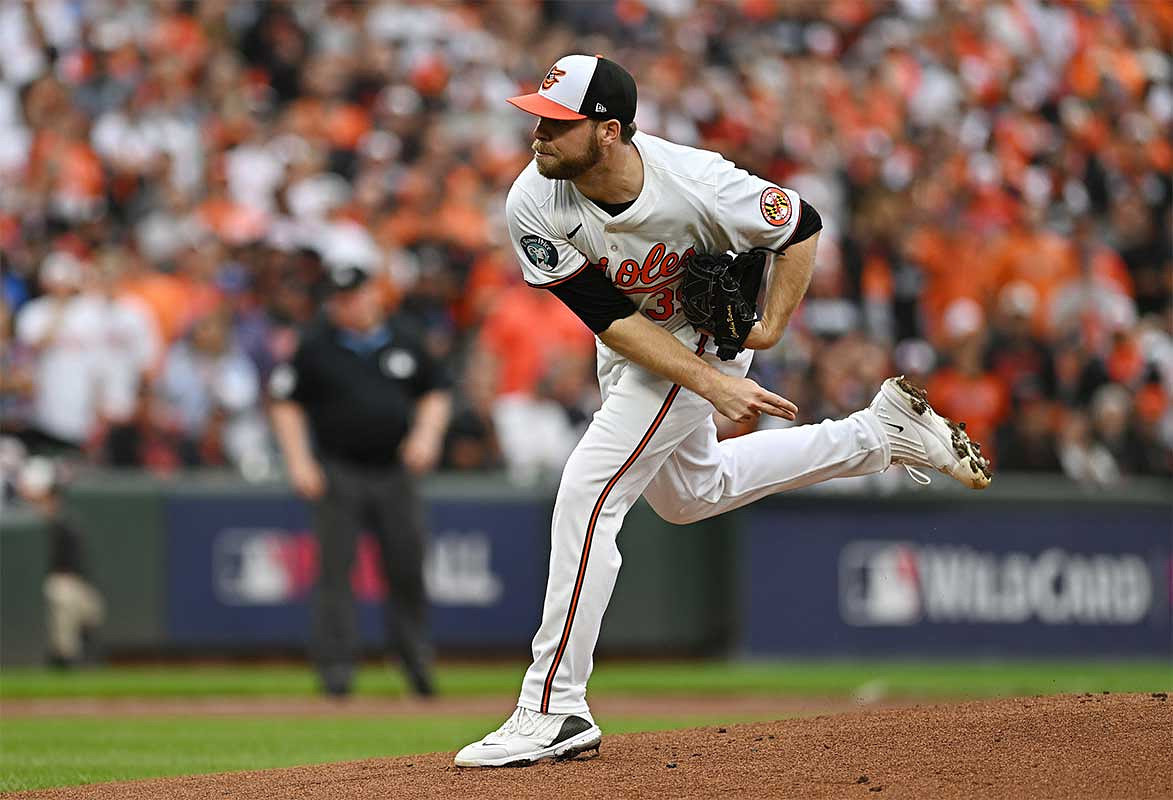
{"x":898,"y":583}
{"x":261,"y":566}
{"x":879,"y":584}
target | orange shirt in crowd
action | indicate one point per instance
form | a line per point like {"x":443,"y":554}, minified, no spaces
{"x":1039,"y":257}
{"x":460,"y":220}
{"x":346,"y":125}
{"x":406,"y":227}
{"x":200,"y":299}
{"x":955,"y":265}
{"x":527,"y":330}
{"x":174,"y":302}
{"x":163,"y":294}
{"x":231,"y":221}
{"x":492,"y":273}
{"x":1107,"y":268}
{"x":179,"y":36}
{"x":74,"y":168}
{"x":982,"y":401}
{"x":1126,"y":362}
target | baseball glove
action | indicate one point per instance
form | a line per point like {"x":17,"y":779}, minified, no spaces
{"x":720,"y":294}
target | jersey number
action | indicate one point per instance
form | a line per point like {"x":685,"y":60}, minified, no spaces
{"x":665,"y":298}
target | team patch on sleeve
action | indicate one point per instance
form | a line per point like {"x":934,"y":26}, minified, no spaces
{"x":540,"y":252}
{"x":776,"y":206}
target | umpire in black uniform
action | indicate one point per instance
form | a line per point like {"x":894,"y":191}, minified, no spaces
{"x":358,"y":412}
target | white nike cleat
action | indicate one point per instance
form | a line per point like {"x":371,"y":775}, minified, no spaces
{"x":920,"y":437}
{"x":528,"y":736}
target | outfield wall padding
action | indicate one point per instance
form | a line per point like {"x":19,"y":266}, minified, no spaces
{"x":208,"y":563}
{"x":676,"y":591}
{"x":957,"y":578}
{"x":122,"y":520}
{"x":24,"y":558}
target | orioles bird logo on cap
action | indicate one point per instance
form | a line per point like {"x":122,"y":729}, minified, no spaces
{"x":552,"y":77}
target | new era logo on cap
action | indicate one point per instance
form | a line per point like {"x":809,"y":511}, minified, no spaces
{"x":578,"y":86}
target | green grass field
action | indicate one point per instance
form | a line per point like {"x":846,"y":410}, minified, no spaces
{"x":908,"y":678}
{"x":38,"y":752}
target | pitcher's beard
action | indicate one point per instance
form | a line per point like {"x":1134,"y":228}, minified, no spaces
{"x":567,"y":169}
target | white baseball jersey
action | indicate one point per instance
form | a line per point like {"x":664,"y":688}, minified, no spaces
{"x":691,"y":200}
{"x":652,"y":437}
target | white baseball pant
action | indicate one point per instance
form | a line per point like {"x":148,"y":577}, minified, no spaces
{"x":657,"y":439}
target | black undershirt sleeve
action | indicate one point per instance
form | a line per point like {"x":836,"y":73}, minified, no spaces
{"x":809,"y":223}
{"x":594,"y":299}
{"x":597,"y":302}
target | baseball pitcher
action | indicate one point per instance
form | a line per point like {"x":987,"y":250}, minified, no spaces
{"x":660,"y":249}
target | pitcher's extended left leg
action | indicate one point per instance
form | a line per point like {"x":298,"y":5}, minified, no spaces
{"x":704,"y":477}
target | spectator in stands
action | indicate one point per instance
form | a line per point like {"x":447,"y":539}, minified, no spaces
{"x":1020,"y":359}
{"x":538,"y":431}
{"x":472,"y":443}
{"x":1085,"y":460}
{"x":17,"y":382}
{"x":1026,"y":443}
{"x":209,"y":395}
{"x":522,"y":360}
{"x":1112,"y":427}
{"x":129,"y":351}
{"x":63,"y":328}
{"x":1153,"y":422}
{"x":964,"y":389}
{"x":1015,"y":154}
{"x":1078,"y":371}
{"x":1096,"y":302}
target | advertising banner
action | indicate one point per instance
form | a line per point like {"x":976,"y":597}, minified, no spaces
{"x":965,"y":580}
{"x":242,"y":569}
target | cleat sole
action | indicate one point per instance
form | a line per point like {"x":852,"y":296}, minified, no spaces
{"x":975,"y":468}
{"x":969,"y":453}
{"x":574,"y":752}
{"x":566,"y":751}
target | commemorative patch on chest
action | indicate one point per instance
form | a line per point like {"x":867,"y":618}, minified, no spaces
{"x":540,"y":252}
{"x":776,"y":206}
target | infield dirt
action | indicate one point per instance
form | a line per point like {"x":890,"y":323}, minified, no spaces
{"x":1085,"y":746}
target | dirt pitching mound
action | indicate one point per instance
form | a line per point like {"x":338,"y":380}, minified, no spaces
{"x":1102,"y":746}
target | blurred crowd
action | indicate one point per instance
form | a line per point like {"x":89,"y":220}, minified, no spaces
{"x":993,"y":177}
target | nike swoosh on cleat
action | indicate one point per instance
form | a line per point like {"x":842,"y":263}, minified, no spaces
{"x":897,"y":427}
{"x":571,"y":234}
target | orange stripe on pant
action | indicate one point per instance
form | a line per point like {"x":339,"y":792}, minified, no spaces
{"x":586,"y":547}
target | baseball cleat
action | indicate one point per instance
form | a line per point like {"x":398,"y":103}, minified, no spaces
{"x":528,"y":737}
{"x":920,"y":437}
